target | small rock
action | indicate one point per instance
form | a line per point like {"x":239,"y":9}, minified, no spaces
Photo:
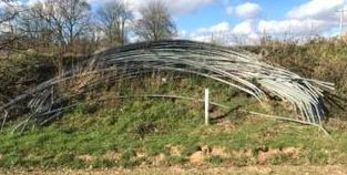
{"x":197,"y":158}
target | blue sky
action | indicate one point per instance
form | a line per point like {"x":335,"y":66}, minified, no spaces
{"x":249,"y":20}
{"x":215,"y":12}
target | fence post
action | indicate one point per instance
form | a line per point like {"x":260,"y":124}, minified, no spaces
{"x":207,"y":121}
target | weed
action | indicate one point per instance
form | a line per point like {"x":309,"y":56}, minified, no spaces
{"x":175,"y":160}
{"x":215,"y":160}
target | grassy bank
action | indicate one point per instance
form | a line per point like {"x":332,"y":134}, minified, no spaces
{"x":166,"y":132}
{"x":104,"y":131}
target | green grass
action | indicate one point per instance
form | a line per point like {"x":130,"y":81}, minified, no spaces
{"x":175,"y":160}
{"x":60,"y":144}
{"x":152,"y":126}
{"x":215,"y":160}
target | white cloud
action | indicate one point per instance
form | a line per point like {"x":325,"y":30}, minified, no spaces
{"x":314,"y":16}
{"x":223,"y":33}
{"x":201,"y":38}
{"x":178,"y":7}
{"x":220,"y":27}
{"x":248,"y":10}
{"x":244,"y":28}
{"x":293,"y":26}
{"x":184,"y":7}
{"x":2,"y":5}
{"x":230,"y":10}
{"x":10,"y":4}
{"x":246,"y":32}
{"x":209,"y":33}
{"x":316,"y":9}
{"x":249,"y":32}
{"x":33,"y":2}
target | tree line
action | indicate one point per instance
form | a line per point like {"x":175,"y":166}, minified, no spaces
{"x":74,"y":26}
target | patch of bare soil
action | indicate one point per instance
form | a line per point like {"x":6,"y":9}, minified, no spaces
{"x":199,"y":157}
{"x":157,"y":160}
{"x":86,"y":158}
{"x":264,"y":156}
{"x":111,"y":156}
{"x":249,"y":170}
{"x":219,"y":151}
{"x":175,"y":150}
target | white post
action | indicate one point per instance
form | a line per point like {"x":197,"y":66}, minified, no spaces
{"x":342,"y":16}
{"x":206,"y":107}
{"x":341,"y":22}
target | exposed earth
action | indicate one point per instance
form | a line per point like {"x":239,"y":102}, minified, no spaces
{"x":249,"y":170}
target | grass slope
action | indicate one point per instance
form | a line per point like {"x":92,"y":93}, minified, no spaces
{"x":158,"y":132}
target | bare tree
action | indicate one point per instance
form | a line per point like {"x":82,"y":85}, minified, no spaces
{"x":76,"y":16}
{"x":66,"y":19}
{"x":8,"y":13}
{"x":156,"y":23}
{"x":35,"y":30}
{"x":113,"y":18}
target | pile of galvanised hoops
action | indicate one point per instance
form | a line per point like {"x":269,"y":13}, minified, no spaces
{"x":230,"y":66}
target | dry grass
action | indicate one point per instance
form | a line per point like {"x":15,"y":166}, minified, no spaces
{"x":250,"y":170}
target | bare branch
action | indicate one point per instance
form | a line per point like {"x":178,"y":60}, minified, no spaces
{"x":156,"y":23}
{"x":113,"y":18}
